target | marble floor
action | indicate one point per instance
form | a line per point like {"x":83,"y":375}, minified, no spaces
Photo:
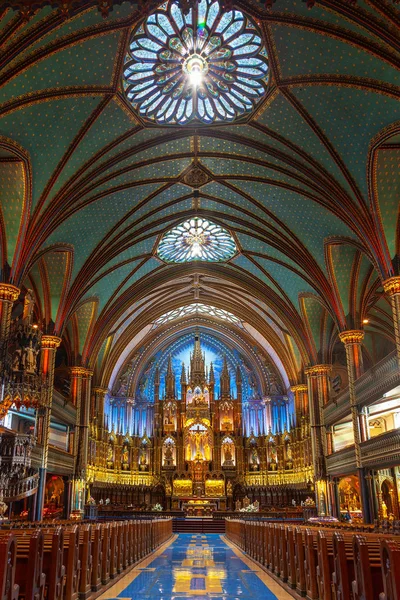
{"x":196,"y":566}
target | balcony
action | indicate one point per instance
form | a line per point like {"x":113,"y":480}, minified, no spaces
{"x":60,"y":462}
{"x":370,"y":387}
{"x":381,"y":451}
{"x":341,"y":462}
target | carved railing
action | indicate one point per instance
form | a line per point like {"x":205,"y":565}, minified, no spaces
{"x":370,"y":387}
{"x":341,"y":462}
{"x":21,"y":488}
{"x":382,"y":450}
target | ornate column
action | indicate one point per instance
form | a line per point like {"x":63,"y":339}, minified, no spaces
{"x":8,"y":295}
{"x":99,"y":399}
{"x":300,"y":394}
{"x":49,"y":345}
{"x":391,"y":287}
{"x":80,"y":391}
{"x":352,"y":340}
{"x":318,"y":394}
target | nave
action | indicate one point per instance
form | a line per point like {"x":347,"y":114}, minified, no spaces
{"x":195,"y":565}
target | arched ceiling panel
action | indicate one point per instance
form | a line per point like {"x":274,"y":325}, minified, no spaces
{"x":46,"y":130}
{"x":13,"y":200}
{"x":309,"y":53}
{"x":350,"y":118}
{"x":306,"y":219}
{"x":86,"y":228}
{"x":89,"y":63}
{"x":387,"y":189}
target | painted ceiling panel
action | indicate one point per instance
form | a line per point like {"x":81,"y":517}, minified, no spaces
{"x":307,"y":52}
{"x":46,"y":130}
{"x":283,"y":118}
{"x":57,"y":268}
{"x":290,"y":283}
{"x":99,"y":135}
{"x":387,"y":174}
{"x":12,"y":196}
{"x":343,"y":261}
{"x":105,"y":288}
{"x":85,"y":229}
{"x":324,"y":14}
{"x":350,"y":118}
{"x":77,"y":23}
{"x":148,"y":267}
{"x":90,"y":63}
{"x":309,"y":222}
{"x":85,"y":314}
{"x":220,"y":191}
{"x":248,"y":243}
{"x":247,"y":265}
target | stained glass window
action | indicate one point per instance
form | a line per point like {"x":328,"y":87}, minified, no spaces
{"x":208,"y":66}
{"x":197,"y":309}
{"x":197,"y":239}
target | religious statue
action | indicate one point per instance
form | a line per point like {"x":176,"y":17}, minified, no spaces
{"x":229,"y":489}
{"x":143,"y":460}
{"x":17,"y":360}
{"x":238,"y":505}
{"x":110,"y":455}
{"x":29,"y":304}
{"x":228,"y":458}
{"x":29,"y":358}
{"x":384,"y":510}
{"x":289,"y":458}
{"x":254,"y":460}
{"x":168,"y":456}
{"x":246,"y":502}
{"x":125,"y":457}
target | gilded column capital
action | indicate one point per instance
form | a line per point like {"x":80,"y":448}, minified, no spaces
{"x":9,"y":292}
{"x":300,"y":387}
{"x":81,"y":372}
{"x":50,"y":342}
{"x":391,"y":286}
{"x":100,"y":390}
{"x":316,"y":370}
{"x":352,"y":336}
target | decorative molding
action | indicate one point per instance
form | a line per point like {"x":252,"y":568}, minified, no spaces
{"x":352,"y":336}
{"x":50,"y":342}
{"x":8,"y":292}
{"x":81,"y":372}
{"x":317,"y":370}
{"x":391,"y":286}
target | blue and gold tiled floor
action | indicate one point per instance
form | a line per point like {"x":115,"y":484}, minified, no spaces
{"x":196,"y":566}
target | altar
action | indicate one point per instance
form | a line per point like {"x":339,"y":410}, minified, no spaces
{"x":199,"y":508}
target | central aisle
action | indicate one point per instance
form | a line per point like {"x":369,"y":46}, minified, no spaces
{"x":197,"y":565}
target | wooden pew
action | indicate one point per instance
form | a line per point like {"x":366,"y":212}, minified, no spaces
{"x":367,"y":584}
{"x":72,"y":563}
{"x":390,"y":560}
{"x":29,"y":567}
{"x":9,"y":590}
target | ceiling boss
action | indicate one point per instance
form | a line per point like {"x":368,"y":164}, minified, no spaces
{"x":207,"y":65}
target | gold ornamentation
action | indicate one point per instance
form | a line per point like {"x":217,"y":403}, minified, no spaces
{"x":183,"y":487}
{"x":391,"y":286}
{"x":352,"y":336}
{"x":215,"y":488}
{"x":50,"y":342}
{"x":8,"y":292}
{"x":300,"y":387}
{"x":81,"y":372}
{"x":318,"y":370}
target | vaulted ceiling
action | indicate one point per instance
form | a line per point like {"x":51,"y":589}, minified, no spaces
{"x":308,"y":184}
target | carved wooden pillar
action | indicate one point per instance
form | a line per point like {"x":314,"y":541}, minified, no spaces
{"x":352,"y":341}
{"x":392,"y":289}
{"x":80,"y":391}
{"x":8,"y":295}
{"x":318,"y":393}
{"x":49,"y":346}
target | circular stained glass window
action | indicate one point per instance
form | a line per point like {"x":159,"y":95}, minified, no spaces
{"x":197,"y":239}
{"x":208,"y":66}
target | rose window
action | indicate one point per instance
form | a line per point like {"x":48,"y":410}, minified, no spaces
{"x":197,"y":239}
{"x":208,"y":66}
